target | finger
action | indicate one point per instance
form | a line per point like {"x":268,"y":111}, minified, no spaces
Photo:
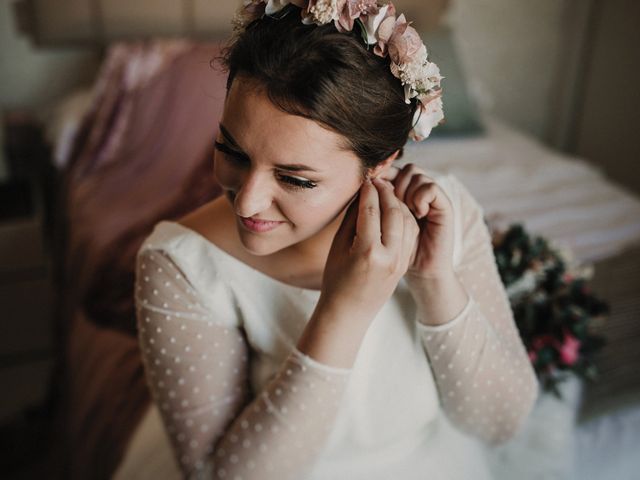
{"x":422,"y":199}
{"x":411,"y":239}
{"x":347,"y":229}
{"x":416,"y":183}
{"x":368,"y":222}
{"x":410,"y":236}
{"x":392,"y":216}
{"x":390,"y":174}
{"x":431,"y":197}
{"x":402,"y":181}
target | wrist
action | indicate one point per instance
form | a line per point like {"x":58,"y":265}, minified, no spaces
{"x":436,"y":281}
{"x":342,"y":314}
{"x":439,"y":299}
{"x":333,"y":335}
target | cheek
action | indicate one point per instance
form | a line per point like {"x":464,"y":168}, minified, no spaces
{"x":317,"y":209}
{"x":223,"y":174}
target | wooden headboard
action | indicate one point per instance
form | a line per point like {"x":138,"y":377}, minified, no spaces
{"x":99,"y":22}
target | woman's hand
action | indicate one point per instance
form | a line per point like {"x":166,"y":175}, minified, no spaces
{"x":433,"y":257}
{"x":370,"y":252}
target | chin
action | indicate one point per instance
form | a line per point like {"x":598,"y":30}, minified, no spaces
{"x":259,"y":244}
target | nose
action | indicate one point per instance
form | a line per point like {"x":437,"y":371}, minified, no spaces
{"x":253,"y":194}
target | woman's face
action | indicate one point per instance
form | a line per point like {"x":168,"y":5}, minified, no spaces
{"x":281,"y":167}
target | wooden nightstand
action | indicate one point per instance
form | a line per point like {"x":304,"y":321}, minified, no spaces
{"x":26,"y":296}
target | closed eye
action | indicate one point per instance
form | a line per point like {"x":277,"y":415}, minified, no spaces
{"x":241,"y":159}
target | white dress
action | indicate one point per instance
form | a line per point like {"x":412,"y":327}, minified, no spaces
{"x":235,"y":399}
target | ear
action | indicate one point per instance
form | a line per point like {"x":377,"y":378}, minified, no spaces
{"x":385,"y":165}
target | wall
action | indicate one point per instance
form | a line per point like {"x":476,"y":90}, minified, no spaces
{"x":511,"y":50}
{"x":31,"y":78}
{"x":607,"y":126}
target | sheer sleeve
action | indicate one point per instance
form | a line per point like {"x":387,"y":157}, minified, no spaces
{"x":196,"y":366}
{"x":485,"y":380}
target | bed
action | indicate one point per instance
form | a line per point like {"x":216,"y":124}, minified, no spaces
{"x":152,"y":113}
{"x":595,"y":431}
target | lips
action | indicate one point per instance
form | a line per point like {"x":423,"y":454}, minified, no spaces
{"x":258,"y":225}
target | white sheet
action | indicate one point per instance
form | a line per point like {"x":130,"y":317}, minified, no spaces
{"x":571,"y":203}
{"x":606,"y":448}
{"x":518,"y":179}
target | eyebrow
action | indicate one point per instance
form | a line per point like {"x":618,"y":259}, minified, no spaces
{"x":293,"y":167}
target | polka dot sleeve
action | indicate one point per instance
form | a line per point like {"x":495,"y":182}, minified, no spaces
{"x":196,"y":368}
{"x":485,"y":380}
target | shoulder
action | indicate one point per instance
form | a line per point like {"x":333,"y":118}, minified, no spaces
{"x":188,"y":282}
{"x":182,"y":257}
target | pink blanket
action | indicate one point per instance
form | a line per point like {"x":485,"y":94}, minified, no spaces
{"x":143,"y":153}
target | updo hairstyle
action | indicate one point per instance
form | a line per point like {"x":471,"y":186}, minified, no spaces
{"x":333,"y":78}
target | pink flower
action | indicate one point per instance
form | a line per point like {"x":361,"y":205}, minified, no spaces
{"x":542,"y":341}
{"x":425,"y":118}
{"x":352,"y":9}
{"x":569,"y":351}
{"x":378,"y":35}
{"x":532,"y":356}
{"x":404,"y":42}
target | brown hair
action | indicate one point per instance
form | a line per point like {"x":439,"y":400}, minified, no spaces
{"x":330,"y":77}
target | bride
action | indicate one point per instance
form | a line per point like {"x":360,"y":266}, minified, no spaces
{"x":330,"y":315}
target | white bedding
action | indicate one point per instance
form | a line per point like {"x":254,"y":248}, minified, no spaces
{"x":518,"y":179}
{"x":574,"y":205}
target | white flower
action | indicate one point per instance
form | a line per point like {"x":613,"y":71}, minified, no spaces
{"x":372,"y":24}
{"x":323,"y":11}
{"x":419,"y":77}
{"x":427,"y":116}
{"x":525,"y":284}
{"x":274,"y":6}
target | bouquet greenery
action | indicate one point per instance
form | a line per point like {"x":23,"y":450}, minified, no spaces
{"x":552,"y":304}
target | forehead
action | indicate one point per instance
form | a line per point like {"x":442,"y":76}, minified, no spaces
{"x":267,"y":134}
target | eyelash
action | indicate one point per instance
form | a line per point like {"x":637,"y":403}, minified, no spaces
{"x":238,"y":159}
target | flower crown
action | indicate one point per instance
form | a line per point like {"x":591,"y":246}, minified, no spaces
{"x":391,"y":36}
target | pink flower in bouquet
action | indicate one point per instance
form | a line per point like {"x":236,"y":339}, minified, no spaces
{"x":542,"y":341}
{"x":533,"y":356}
{"x":569,"y":351}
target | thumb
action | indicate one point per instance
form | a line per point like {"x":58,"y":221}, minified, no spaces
{"x":416,"y":245}
{"x":347,"y":230}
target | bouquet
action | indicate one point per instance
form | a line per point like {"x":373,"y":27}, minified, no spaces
{"x":552,"y":304}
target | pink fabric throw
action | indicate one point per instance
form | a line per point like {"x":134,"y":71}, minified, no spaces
{"x":143,"y":153}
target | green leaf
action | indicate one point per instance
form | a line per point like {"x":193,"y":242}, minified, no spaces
{"x":363,"y":32}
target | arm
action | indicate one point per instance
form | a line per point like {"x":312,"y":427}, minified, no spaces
{"x":486,"y":382}
{"x":196,"y":366}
